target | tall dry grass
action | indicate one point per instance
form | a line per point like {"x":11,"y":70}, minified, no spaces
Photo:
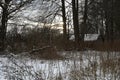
{"x":85,"y":65}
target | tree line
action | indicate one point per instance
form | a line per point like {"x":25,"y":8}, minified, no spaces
{"x":98,"y":16}
{"x":81,"y":16}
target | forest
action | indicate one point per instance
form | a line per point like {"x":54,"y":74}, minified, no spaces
{"x":60,"y":39}
{"x":65,"y":24}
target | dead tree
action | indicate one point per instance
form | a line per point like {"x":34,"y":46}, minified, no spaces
{"x":9,"y":7}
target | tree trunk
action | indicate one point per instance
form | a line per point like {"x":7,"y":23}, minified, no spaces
{"x":64,"y":20}
{"x":75,"y":21}
{"x":112,"y":22}
{"x":3,"y":28}
{"x":85,"y":17}
{"x":108,"y":8}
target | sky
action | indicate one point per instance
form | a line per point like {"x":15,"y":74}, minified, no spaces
{"x":35,"y":14}
{"x":37,"y":11}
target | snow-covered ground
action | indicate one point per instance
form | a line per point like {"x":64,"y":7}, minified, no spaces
{"x":87,"y":65}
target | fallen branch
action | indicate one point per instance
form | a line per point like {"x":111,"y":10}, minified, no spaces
{"x":39,"y":49}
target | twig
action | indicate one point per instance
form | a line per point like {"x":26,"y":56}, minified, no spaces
{"x":39,"y":49}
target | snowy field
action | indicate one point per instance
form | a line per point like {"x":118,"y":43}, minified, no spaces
{"x":86,"y":65}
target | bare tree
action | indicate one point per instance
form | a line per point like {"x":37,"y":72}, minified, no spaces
{"x":85,"y":16}
{"x":9,"y":7}
{"x":64,"y":19}
{"x":75,"y":21}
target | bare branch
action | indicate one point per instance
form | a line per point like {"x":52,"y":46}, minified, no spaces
{"x":20,"y":6}
{"x":1,"y":4}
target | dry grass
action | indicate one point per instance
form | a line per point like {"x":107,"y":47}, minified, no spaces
{"x":46,"y":53}
{"x":101,"y":46}
{"x":93,"y":66}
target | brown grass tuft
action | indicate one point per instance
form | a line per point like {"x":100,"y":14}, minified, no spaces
{"x":46,"y":53}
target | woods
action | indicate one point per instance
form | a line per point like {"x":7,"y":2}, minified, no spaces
{"x":59,"y":39}
{"x":78,"y":18}
{"x":8,"y":7}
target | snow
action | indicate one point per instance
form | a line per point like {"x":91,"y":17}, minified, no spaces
{"x":88,"y":37}
{"x":13,"y":67}
{"x":91,"y":37}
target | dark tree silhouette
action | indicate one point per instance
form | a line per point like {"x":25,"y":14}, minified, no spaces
{"x":8,"y":7}
{"x":64,"y":19}
{"x":75,"y":21}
